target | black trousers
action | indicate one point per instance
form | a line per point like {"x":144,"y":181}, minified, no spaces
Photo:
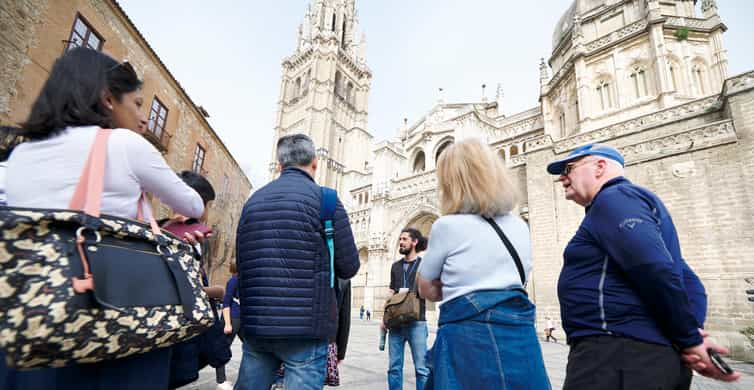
{"x":620,"y":363}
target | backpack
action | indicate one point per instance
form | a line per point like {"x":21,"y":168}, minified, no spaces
{"x":327,"y":214}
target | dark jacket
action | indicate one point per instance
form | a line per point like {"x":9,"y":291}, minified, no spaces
{"x":344,"y":317}
{"x":283,"y":261}
{"x":623,"y":273}
{"x":400,"y":279}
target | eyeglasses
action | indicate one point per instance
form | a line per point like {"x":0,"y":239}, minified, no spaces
{"x":126,"y":66}
{"x":571,"y":166}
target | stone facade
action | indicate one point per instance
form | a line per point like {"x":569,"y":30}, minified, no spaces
{"x":649,"y":77}
{"x":36,"y":32}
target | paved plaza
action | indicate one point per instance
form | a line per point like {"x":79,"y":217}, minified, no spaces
{"x":365,"y":366}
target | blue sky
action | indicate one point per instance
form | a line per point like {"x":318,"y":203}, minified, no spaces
{"x":227,"y":56}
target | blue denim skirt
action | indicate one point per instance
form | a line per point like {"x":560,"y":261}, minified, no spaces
{"x":487,"y":340}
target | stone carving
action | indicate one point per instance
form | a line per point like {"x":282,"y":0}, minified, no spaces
{"x":519,"y":159}
{"x":614,"y":36}
{"x":708,"y":5}
{"x":703,"y":137}
{"x":378,"y":241}
{"x":576,"y":33}
{"x":643,"y":122}
{"x":684,"y":169}
{"x":739,"y":83}
{"x":414,"y":184}
{"x":541,"y":142}
{"x":688,"y":22}
{"x":515,"y":129}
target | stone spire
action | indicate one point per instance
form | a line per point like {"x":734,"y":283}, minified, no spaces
{"x":362,"y":52}
{"x":709,"y":8}
{"x":484,"y":95}
{"x":499,"y":98}
{"x":543,"y":72}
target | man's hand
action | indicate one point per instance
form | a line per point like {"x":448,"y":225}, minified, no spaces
{"x":698,"y":359}
{"x":228,"y":329}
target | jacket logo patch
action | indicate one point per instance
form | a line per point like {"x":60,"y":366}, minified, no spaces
{"x":630,"y":223}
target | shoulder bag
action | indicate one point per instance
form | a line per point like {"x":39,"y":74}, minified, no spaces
{"x":80,"y":287}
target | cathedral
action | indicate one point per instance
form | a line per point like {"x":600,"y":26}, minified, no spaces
{"x":646,"y":76}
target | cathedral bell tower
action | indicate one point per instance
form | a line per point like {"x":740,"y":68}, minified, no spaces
{"x":325,"y":87}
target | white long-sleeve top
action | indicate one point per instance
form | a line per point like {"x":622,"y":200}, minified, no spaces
{"x":44,"y":174}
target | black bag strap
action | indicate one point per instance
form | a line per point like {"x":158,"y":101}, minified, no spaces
{"x":510,"y":247}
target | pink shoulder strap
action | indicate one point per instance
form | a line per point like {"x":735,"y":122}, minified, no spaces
{"x":87,"y":196}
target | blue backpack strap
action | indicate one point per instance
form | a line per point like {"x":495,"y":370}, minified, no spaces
{"x":327,"y":214}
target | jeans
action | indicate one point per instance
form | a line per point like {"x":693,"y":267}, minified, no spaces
{"x":416,"y":335}
{"x":305,"y":364}
{"x":486,"y":340}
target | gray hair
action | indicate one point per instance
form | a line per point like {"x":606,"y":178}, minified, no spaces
{"x":295,"y":150}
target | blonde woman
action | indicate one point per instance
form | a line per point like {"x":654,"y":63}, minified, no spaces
{"x":486,"y":337}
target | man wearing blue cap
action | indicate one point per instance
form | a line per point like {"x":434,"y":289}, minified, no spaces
{"x":631,"y":306}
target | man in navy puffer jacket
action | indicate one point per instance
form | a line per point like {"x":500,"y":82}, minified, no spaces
{"x":629,"y":301}
{"x":288,"y":310}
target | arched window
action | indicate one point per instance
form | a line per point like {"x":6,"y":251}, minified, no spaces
{"x":501,"y":153}
{"x":366,"y":197}
{"x":639,"y":82}
{"x":674,"y":75}
{"x":333,"y":22}
{"x":343,"y":33}
{"x":307,"y":81}
{"x":349,"y":92}
{"x":442,"y":149}
{"x":604,"y":94}
{"x":338,"y":83}
{"x":562,"y":123}
{"x":699,"y":76}
{"x":419,"y":162}
{"x":514,"y":150}
{"x":297,"y":88}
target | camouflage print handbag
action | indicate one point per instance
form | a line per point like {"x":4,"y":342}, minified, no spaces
{"x":80,"y":287}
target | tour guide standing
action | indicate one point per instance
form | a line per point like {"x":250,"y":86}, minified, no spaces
{"x":403,"y":278}
{"x":288,"y":306}
{"x":628,"y":301}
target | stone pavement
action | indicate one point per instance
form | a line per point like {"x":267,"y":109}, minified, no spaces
{"x":365,"y":366}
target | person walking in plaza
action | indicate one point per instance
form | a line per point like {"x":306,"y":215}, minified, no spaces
{"x":361,"y":312}
{"x":231,"y":305}
{"x":549,"y":329}
{"x":628,"y":300}
{"x":369,"y":315}
{"x":403,"y":279}
{"x":286,"y":274}
{"x":86,"y":91}
{"x":476,"y":265}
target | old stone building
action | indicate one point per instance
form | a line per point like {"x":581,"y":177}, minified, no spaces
{"x":36,"y":32}
{"x":648,"y":76}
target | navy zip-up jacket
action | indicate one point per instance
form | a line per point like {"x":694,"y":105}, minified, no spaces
{"x":284,"y":264}
{"x":623,"y":273}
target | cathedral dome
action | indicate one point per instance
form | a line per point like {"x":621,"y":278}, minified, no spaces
{"x":564,"y":24}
